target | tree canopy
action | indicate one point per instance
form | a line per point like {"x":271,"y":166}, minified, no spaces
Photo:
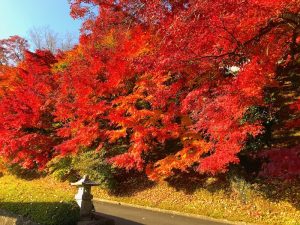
{"x":149,"y":73}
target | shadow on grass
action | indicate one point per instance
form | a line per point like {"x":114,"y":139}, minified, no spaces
{"x":191,"y":181}
{"x":276,"y":190}
{"x":24,"y":174}
{"x":44,"y":213}
{"x":131,"y":183}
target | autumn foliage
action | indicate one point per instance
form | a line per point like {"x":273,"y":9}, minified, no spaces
{"x":26,"y":119}
{"x":149,"y":73}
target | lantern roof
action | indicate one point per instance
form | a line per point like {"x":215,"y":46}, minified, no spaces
{"x":85,"y":181}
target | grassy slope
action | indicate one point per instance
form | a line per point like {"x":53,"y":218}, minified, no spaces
{"x":42,"y":200}
{"x":49,"y":202}
{"x":239,"y":202}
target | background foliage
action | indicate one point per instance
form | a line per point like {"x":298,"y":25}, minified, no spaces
{"x":158,"y":87}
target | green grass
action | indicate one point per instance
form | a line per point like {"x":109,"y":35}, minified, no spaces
{"x":41,"y":200}
{"x":50,"y":202}
{"x":236,"y":201}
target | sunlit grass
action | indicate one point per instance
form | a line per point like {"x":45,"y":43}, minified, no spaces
{"x":42,"y":200}
{"x":47,"y":201}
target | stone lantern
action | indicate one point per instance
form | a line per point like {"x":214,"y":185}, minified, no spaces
{"x":88,"y":216}
{"x":84,"y":198}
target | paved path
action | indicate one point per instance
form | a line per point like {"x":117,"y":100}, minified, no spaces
{"x":128,"y":215}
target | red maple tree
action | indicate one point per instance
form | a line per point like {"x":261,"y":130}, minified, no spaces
{"x":184,"y":75}
{"x":26,"y":122}
{"x":146,"y":73}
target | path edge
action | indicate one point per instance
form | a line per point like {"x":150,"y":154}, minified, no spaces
{"x":173,"y":212}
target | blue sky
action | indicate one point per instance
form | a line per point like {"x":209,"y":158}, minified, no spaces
{"x":17,"y":17}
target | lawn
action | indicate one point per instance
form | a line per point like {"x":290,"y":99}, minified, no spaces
{"x":42,"y":200}
{"x":50,"y":202}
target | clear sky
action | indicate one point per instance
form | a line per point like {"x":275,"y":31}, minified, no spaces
{"x":17,"y":17}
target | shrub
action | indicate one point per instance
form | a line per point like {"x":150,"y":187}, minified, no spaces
{"x":87,"y":162}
